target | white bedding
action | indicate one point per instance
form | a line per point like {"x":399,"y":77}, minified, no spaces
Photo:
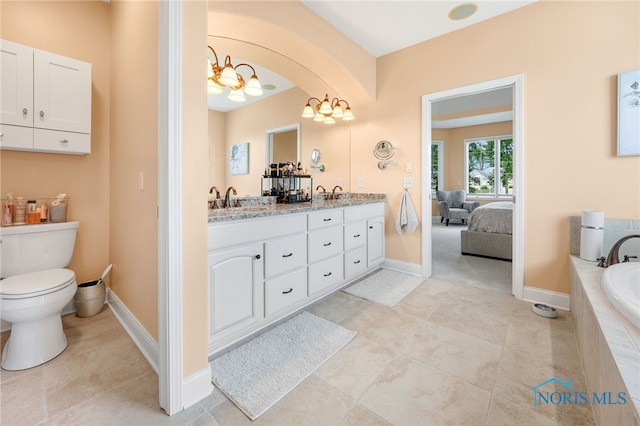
{"x":495,"y":218}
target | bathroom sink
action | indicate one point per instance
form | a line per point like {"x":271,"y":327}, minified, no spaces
{"x":621,"y":284}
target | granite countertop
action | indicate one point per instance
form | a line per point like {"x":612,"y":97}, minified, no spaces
{"x":272,"y":209}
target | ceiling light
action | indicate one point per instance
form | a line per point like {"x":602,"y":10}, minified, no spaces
{"x":327,"y":111}
{"x":462,"y":11}
{"x":219,"y":77}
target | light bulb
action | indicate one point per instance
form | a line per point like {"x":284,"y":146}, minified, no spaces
{"x":229,"y":77}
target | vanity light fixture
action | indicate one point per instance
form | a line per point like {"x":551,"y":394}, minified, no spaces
{"x":219,"y":77}
{"x":327,"y":111}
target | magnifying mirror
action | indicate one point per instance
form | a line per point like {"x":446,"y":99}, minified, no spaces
{"x":383,"y":150}
{"x":315,"y":155}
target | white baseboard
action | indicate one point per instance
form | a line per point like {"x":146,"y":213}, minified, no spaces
{"x":196,"y":387}
{"x":398,"y":265}
{"x":548,"y":297}
{"x":140,"y":336}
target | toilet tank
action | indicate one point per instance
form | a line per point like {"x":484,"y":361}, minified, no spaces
{"x":32,"y":248}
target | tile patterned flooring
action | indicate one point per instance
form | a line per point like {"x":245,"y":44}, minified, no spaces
{"x":449,"y":353}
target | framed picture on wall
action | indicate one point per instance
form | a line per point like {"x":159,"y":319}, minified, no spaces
{"x":240,"y":159}
{"x":629,"y":113}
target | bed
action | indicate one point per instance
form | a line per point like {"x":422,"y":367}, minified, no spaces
{"x":490,"y":231}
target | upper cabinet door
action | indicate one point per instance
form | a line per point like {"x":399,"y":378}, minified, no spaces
{"x":62,"y":93}
{"x":16,"y":83}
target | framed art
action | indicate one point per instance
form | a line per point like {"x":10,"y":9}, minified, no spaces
{"x":629,"y":113}
{"x":240,"y":159}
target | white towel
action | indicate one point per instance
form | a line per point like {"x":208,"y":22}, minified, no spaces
{"x":407,"y":217}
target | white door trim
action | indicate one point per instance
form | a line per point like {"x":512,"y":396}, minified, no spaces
{"x":517,"y":81}
{"x":170,"y":265}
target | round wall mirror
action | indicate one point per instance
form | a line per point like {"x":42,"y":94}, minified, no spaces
{"x":315,"y":155}
{"x":383,"y":150}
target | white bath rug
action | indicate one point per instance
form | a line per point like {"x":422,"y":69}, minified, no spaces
{"x":386,"y":287}
{"x":259,"y":373}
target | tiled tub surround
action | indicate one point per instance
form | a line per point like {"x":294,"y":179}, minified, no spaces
{"x":272,"y":209}
{"x":614,"y":229}
{"x":609,"y":345}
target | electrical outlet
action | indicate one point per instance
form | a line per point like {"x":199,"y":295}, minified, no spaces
{"x":407,"y":182}
{"x":340,"y":181}
{"x":360,"y":182}
{"x":141,"y":181}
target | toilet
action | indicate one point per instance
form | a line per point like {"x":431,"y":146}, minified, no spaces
{"x":34,"y":289}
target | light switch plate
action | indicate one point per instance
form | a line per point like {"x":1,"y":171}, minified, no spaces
{"x":360,"y":182}
{"x":407,"y":182}
{"x":408,"y":167}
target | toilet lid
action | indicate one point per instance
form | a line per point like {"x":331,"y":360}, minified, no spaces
{"x":36,"y":283}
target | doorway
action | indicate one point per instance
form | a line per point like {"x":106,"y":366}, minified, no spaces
{"x":428,"y":103}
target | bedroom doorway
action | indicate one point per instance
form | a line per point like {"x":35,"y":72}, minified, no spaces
{"x":484,"y":104}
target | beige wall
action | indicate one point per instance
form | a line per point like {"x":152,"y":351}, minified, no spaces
{"x":78,"y":30}
{"x":570,"y":69}
{"x":134,"y":149}
{"x":194,"y":187}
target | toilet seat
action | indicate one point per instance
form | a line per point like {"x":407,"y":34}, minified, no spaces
{"x":36,"y":284}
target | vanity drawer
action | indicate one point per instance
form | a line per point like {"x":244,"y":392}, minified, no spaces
{"x":285,"y":254}
{"x":355,"y":235}
{"x":354,"y":213}
{"x":355,"y":261}
{"x":285,"y":291}
{"x":325,"y":274}
{"x":324,"y":218}
{"x":325,"y":243}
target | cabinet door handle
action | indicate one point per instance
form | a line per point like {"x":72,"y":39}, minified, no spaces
{"x":287,"y":255}
{"x":356,"y":236}
{"x":257,"y":256}
{"x":64,"y":140}
{"x":287,"y":291}
{"x":326,"y":219}
{"x":41,"y":113}
{"x":356,"y":262}
{"x":25,"y":111}
{"x":327,"y":244}
{"x":326,"y":275}
{"x":371,"y":227}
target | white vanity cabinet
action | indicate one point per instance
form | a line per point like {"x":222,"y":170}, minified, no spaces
{"x":266,"y":268}
{"x":45,"y":102}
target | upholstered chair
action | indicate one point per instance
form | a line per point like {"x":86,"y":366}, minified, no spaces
{"x":453,"y":205}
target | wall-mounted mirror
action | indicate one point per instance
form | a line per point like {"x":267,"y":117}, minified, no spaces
{"x":315,"y":160}
{"x":383,"y":151}
{"x":283,"y":145}
{"x":267,"y":120}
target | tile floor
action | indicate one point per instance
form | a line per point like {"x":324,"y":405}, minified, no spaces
{"x":449,"y":353}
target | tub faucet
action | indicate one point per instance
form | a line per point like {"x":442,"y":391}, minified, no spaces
{"x":227,"y":199}
{"x":333,"y":191}
{"x":320,"y":186}
{"x":215,"y":188}
{"x":613,"y":258}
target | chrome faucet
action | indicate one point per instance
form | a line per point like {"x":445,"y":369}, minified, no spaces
{"x":320,"y":186}
{"x":227,"y":199}
{"x":215,"y":188}
{"x":333,"y":191}
{"x":613,"y":258}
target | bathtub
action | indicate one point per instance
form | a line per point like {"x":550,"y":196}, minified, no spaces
{"x":621,"y":284}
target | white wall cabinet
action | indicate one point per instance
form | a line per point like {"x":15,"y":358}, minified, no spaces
{"x":47,"y":97}
{"x":261,"y":270}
